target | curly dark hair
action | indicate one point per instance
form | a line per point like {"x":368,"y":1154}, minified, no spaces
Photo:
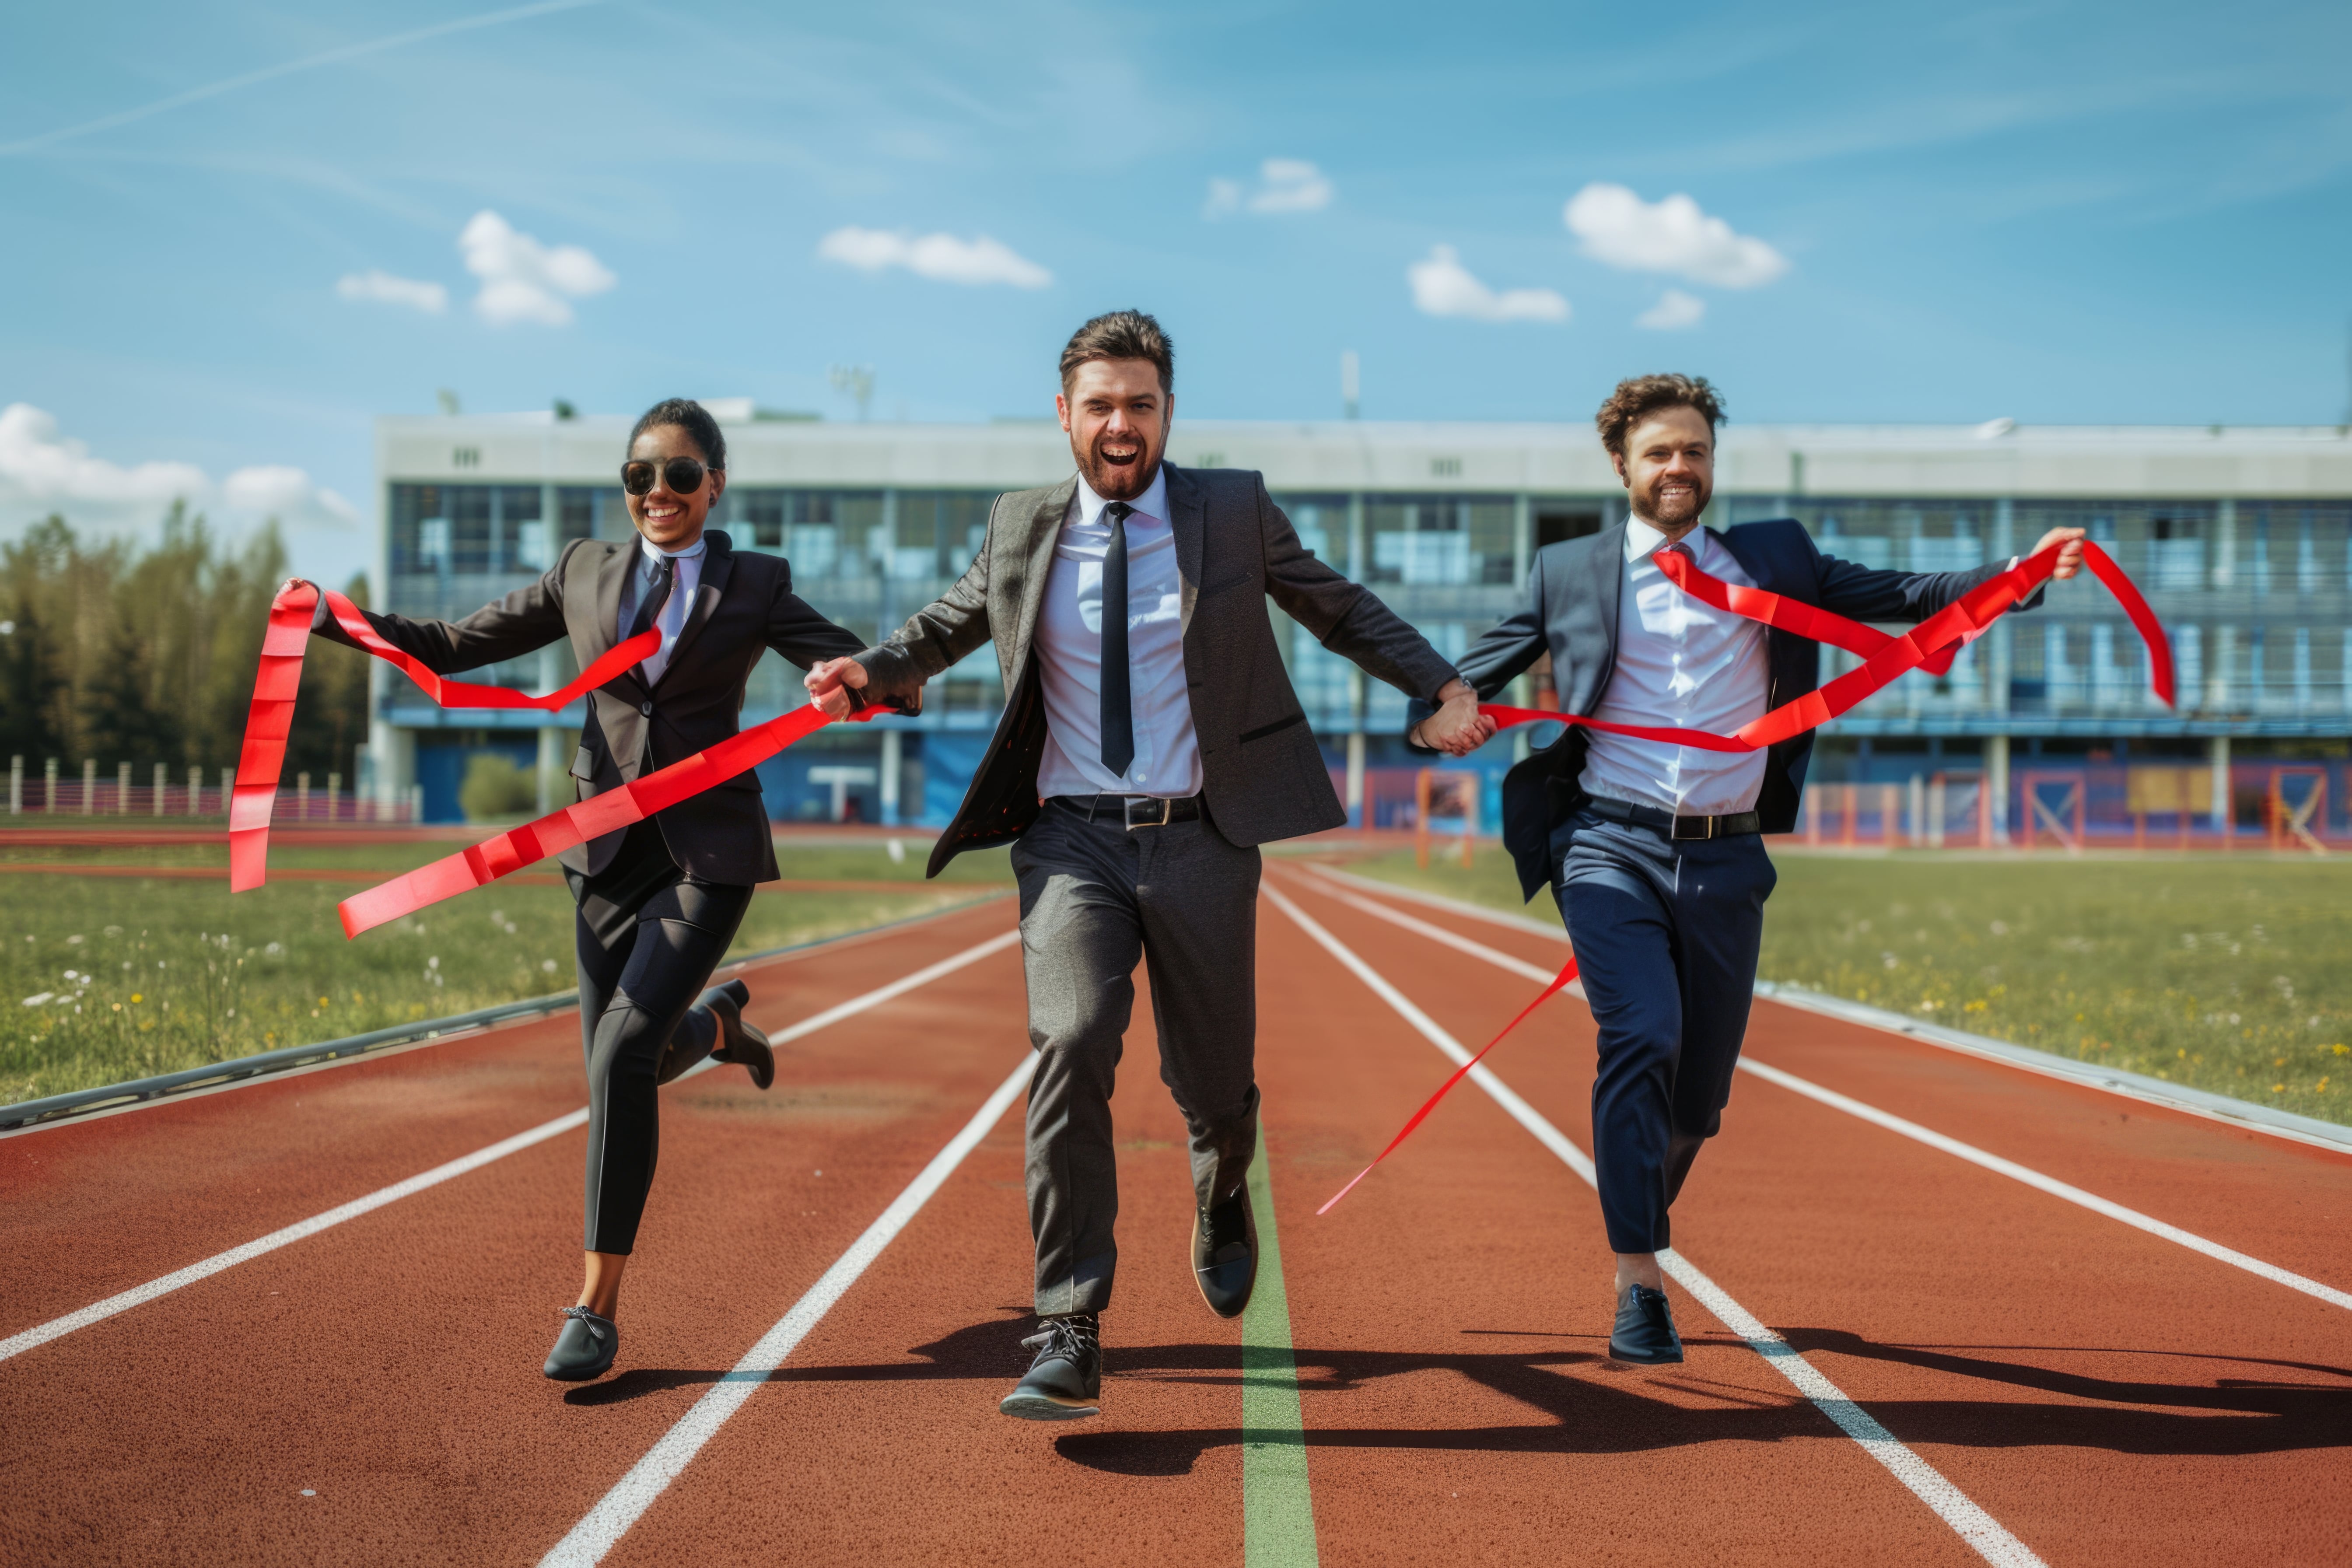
{"x":691,"y":417}
{"x":1121,"y":334}
{"x":1639,"y":396}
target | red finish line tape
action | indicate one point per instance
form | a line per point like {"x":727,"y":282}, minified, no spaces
{"x":1931,"y":643}
{"x":271,"y":718}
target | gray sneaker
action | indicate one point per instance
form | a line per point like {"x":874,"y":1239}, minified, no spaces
{"x":584,"y":1349}
{"x":1066,"y":1379}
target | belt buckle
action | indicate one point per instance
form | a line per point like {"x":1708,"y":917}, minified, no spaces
{"x":1145,"y":802}
{"x":1676,"y":830}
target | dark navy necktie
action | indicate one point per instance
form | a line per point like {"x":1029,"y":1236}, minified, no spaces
{"x":653,"y":596}
{"x":1117,"y":705}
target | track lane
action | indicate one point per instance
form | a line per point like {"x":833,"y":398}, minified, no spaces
{"x":2108,"y":1396}
{"x":1487,"y":1361}
{"x":391,"y":1366}
{"x":2280,"y":1200}
{"x":879,"y":1440}
{"x":179,"y":1180}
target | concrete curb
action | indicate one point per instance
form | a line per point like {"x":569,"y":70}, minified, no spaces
{"x":54,"y":1108}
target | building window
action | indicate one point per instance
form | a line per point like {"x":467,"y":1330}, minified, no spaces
{"x":938,"y":533}
{"x":1440,"y":541}
{"x":1321,"y":522}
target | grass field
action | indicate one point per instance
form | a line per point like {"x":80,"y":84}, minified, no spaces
{"x":2227,"y":973}
{"x":104,"y":978}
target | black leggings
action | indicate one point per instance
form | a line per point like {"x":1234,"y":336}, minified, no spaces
{"x":637,"y":979}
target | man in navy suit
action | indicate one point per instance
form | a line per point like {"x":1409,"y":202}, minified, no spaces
{"x":1653,"y":849}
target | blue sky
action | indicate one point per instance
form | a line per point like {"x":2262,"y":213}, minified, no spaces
{"x":2075,"y":212}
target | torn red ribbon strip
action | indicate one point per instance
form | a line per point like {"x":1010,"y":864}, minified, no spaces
{"x":271,"y":718}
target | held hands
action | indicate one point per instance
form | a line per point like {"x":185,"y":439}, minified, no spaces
{"x":1457,"y":728}
{"x":830,"y":683}
{"x":2070,"y":559}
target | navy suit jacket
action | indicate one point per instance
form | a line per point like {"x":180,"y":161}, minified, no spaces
{"x":1571,"y":613}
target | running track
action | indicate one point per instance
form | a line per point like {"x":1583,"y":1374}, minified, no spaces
{"x":2036,"y":1378}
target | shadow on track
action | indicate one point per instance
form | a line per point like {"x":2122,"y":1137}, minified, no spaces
{"x":1589,"y":1407}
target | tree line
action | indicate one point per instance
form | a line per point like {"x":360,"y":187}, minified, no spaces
{"x":122,"y":652}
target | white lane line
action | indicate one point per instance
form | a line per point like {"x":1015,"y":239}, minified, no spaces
{"x":2051,"y":1184}
{"x":622,"y":1507}
{"x":1966,"y":1520}
{"x":1929,"y":1136}
{"x":1439,"y":934}
{"x":302,"y":1230}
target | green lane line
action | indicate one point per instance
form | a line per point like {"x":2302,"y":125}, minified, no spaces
{"x":1277,"y":1508}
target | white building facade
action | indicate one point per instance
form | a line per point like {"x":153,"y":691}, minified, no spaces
{"x":2240,"y":537}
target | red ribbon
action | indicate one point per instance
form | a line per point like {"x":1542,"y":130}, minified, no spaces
{"x":592,"y":819}
{"x":1884,"y":658}
{"x":1559,"y":983}
{"x":271,"y":717}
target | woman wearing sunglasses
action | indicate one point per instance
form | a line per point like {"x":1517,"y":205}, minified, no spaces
{"x":658,"y":902}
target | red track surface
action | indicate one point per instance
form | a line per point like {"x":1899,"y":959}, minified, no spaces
{"x":2106,"y":1396}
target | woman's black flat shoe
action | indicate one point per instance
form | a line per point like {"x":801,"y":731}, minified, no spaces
{"x":584,"y":1349}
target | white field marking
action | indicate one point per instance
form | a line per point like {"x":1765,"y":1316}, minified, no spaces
{"x":302,"y":1230}
{"x":1912,"y":1130}
{"x":1978,"y":1528}
{"x":2051,"y":1184}
{"x":626,"y":1503}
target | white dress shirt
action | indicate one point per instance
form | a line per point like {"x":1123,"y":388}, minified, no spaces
{"x":1685,"y":664}
{"x":1069,"y":641}
{"x":671,"y":621}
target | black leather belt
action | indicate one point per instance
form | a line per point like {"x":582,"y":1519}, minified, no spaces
{"x":1133,"y":811}
{"x":1736,"y":823}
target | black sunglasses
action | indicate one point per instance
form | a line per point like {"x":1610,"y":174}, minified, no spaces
{"x":683,"y":474}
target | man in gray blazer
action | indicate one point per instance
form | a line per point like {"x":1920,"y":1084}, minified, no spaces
{"x":1142,"y":758}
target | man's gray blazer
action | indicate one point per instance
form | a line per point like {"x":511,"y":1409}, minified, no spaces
{"x":1263,"y":775}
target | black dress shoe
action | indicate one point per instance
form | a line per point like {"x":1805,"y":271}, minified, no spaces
{"x":1225,"y":1254}
{"x":739,"y":1041}
{"x":584,"y":1349}
{"x":1065,"y":1382}
{"x":1644,"y":1334}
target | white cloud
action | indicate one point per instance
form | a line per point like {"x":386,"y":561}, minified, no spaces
{"x":38,"y":466}
{"x":287,"y":494}
{"x":1285,"y":185}
{"x":524,"y":280}
{"x":42,"y":471}
{"x":384,"y":288}
{"x":1442,"y":286}
{"x":941,"y":257}
{"x":1672,"y":313}
{"x":1672,"y":236}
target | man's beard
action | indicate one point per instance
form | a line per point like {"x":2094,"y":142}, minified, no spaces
{"x":1674,"y":511}
{"x":1121,"y":481}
